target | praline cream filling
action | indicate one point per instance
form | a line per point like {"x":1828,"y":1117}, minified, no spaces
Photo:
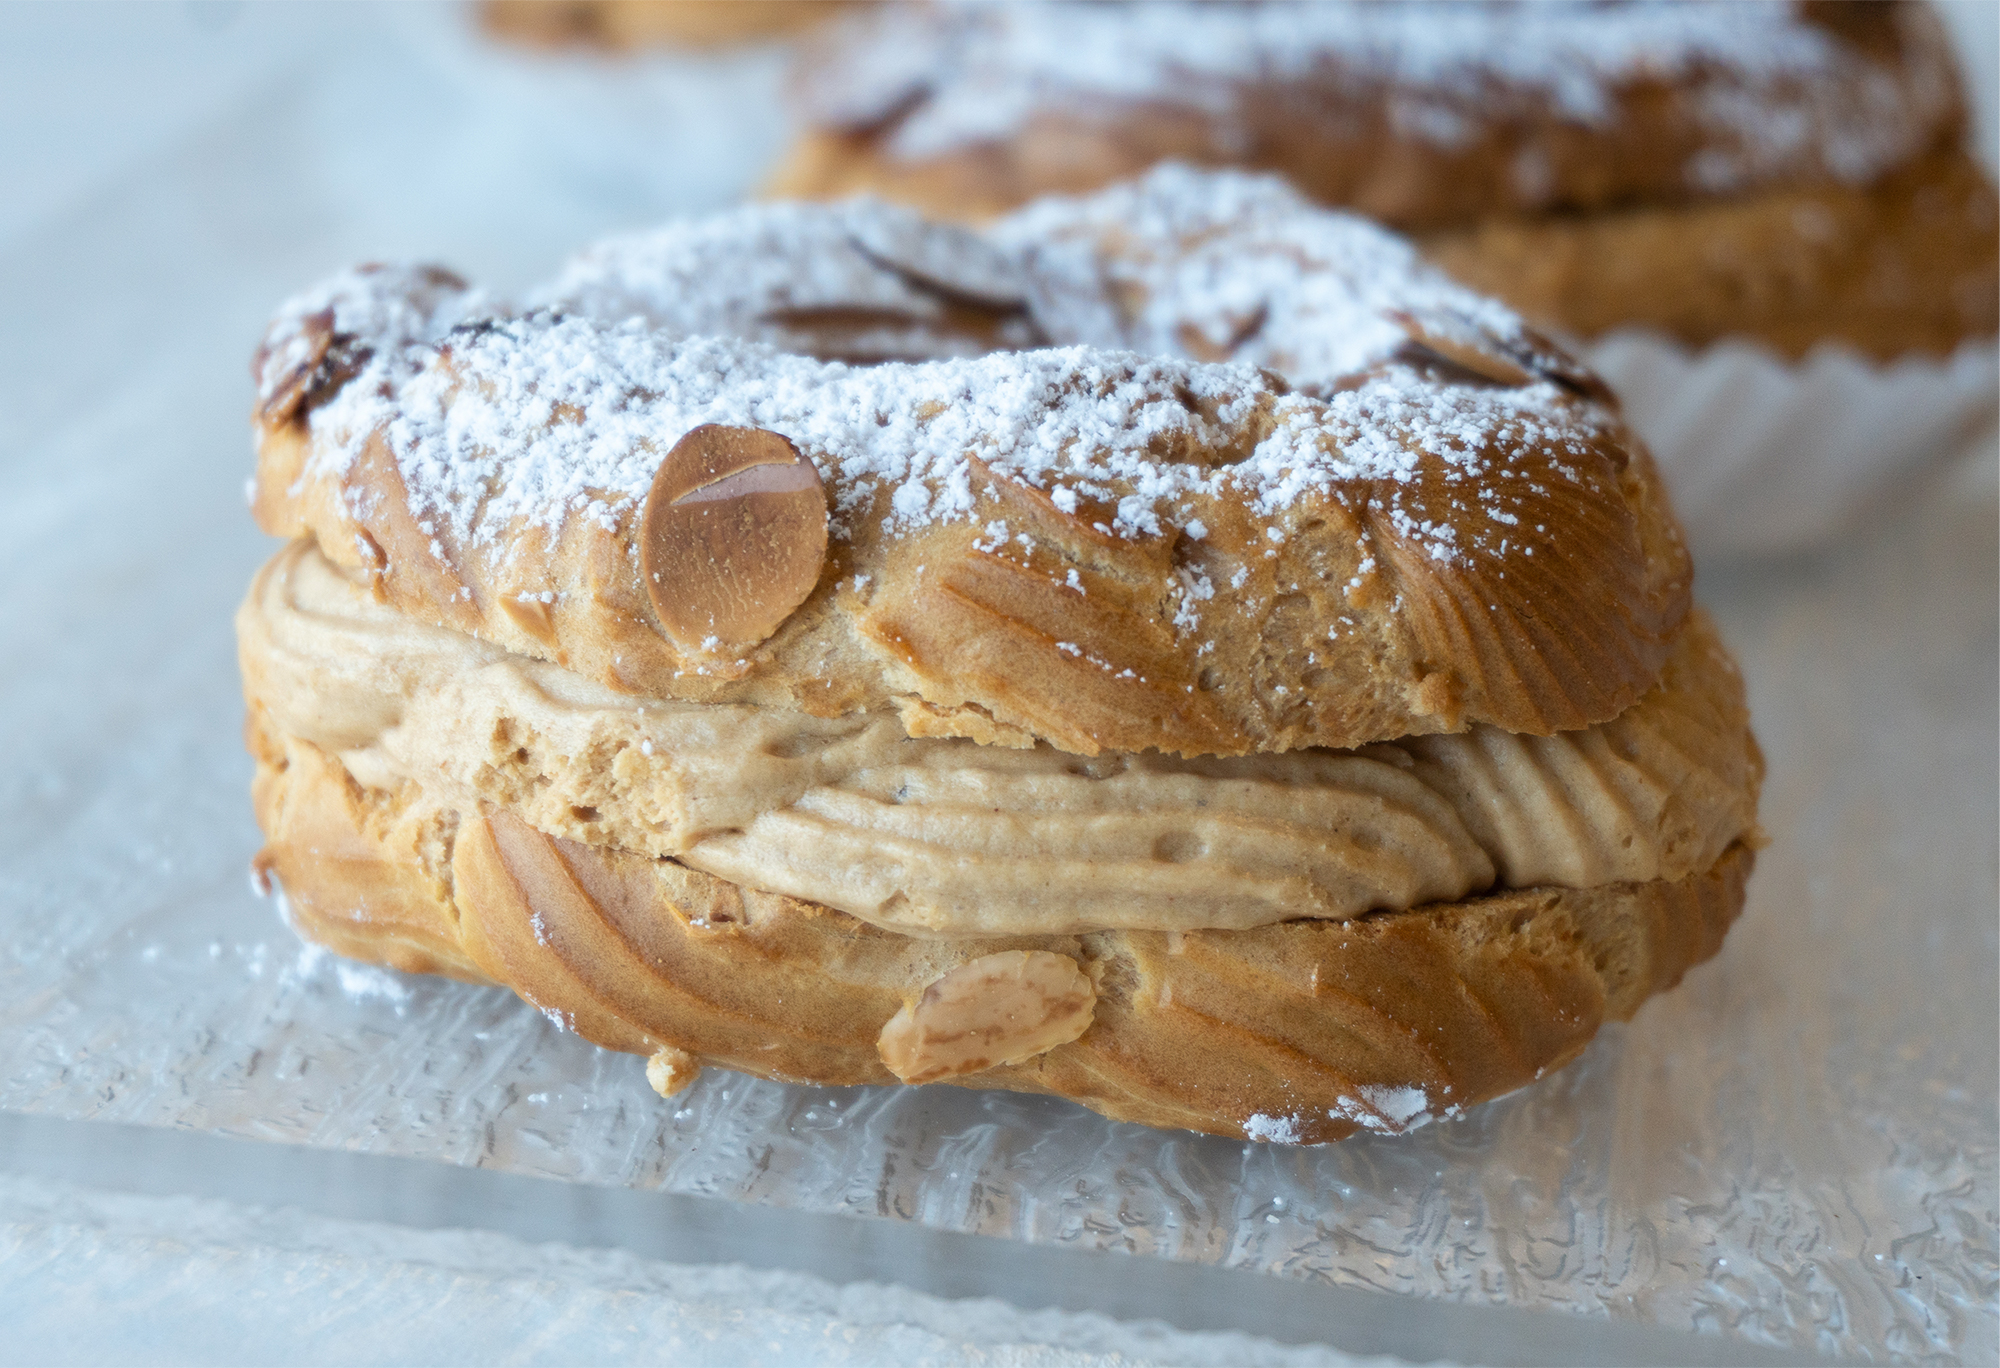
{"x":948,"y":837}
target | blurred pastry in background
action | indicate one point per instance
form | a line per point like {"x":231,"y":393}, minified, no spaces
{"x":630,"y":25}
{"x":1789,"y":173}
{"x":1786,"y":181}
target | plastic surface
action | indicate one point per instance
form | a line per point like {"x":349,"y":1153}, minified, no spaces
{"x":217,"y":1284}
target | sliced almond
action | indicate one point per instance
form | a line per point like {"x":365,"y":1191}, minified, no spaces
{"x":997,"y":1009}
{"x":733,"y":537}
{"x":868,"y":336}
{"x":1218,"y":338}
{"x":1462,"y":344}
{"x":948,"y":260}
{"x":286,"y":362}
{"x":304,"y":359}
{"x":671,"y":1070}
{"x":531,"y":614}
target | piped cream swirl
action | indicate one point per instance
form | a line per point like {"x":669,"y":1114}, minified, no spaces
{"x":948,"y":837}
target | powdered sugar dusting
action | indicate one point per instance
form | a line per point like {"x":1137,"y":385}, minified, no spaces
{"x":1276,"y":1130}
{"x":765,"y":272}
{"x":1402,"y":1108}
{"x":1384,"y":1108}
{"x":533,"y":420}
{"x":511,"y":422}
{"x":479,"y":443}
{"x":383,"y":317}
{"x":360,"y":981}
{"x":1232,"y":264}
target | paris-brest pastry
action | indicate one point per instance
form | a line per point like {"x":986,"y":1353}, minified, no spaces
{"x":1173,"y":650}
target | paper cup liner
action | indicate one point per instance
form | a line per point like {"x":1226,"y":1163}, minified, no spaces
{"x":1766,"y":456}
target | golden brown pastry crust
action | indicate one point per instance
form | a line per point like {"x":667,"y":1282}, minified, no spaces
{"x":1911,"y":265}
{"x":630,"y":25}
{"x":1302,"y":1031}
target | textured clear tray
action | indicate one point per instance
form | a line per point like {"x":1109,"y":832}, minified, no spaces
{"x":1798,"y":1146}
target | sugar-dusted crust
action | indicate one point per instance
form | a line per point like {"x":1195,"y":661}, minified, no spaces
{"x":1910,"y":265}
{"x":1089,"y":548}
{"x":1416,"y":118}
{"x":1301,"y":1032}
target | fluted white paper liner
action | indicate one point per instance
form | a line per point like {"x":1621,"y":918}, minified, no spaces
{"x":1766,"y":455}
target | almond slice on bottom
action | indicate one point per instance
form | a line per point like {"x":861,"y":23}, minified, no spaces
{"x":997,"y":1009}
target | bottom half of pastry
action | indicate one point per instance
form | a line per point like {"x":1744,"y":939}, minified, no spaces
{"x":1299,"y":1031}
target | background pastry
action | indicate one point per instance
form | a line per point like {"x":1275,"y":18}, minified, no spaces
{"x":627,"y":25}
{"x":1711,"y":170}
{"x":1787,"y":181}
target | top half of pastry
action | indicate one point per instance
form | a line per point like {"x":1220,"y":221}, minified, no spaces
{"x":1193,"y":466}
